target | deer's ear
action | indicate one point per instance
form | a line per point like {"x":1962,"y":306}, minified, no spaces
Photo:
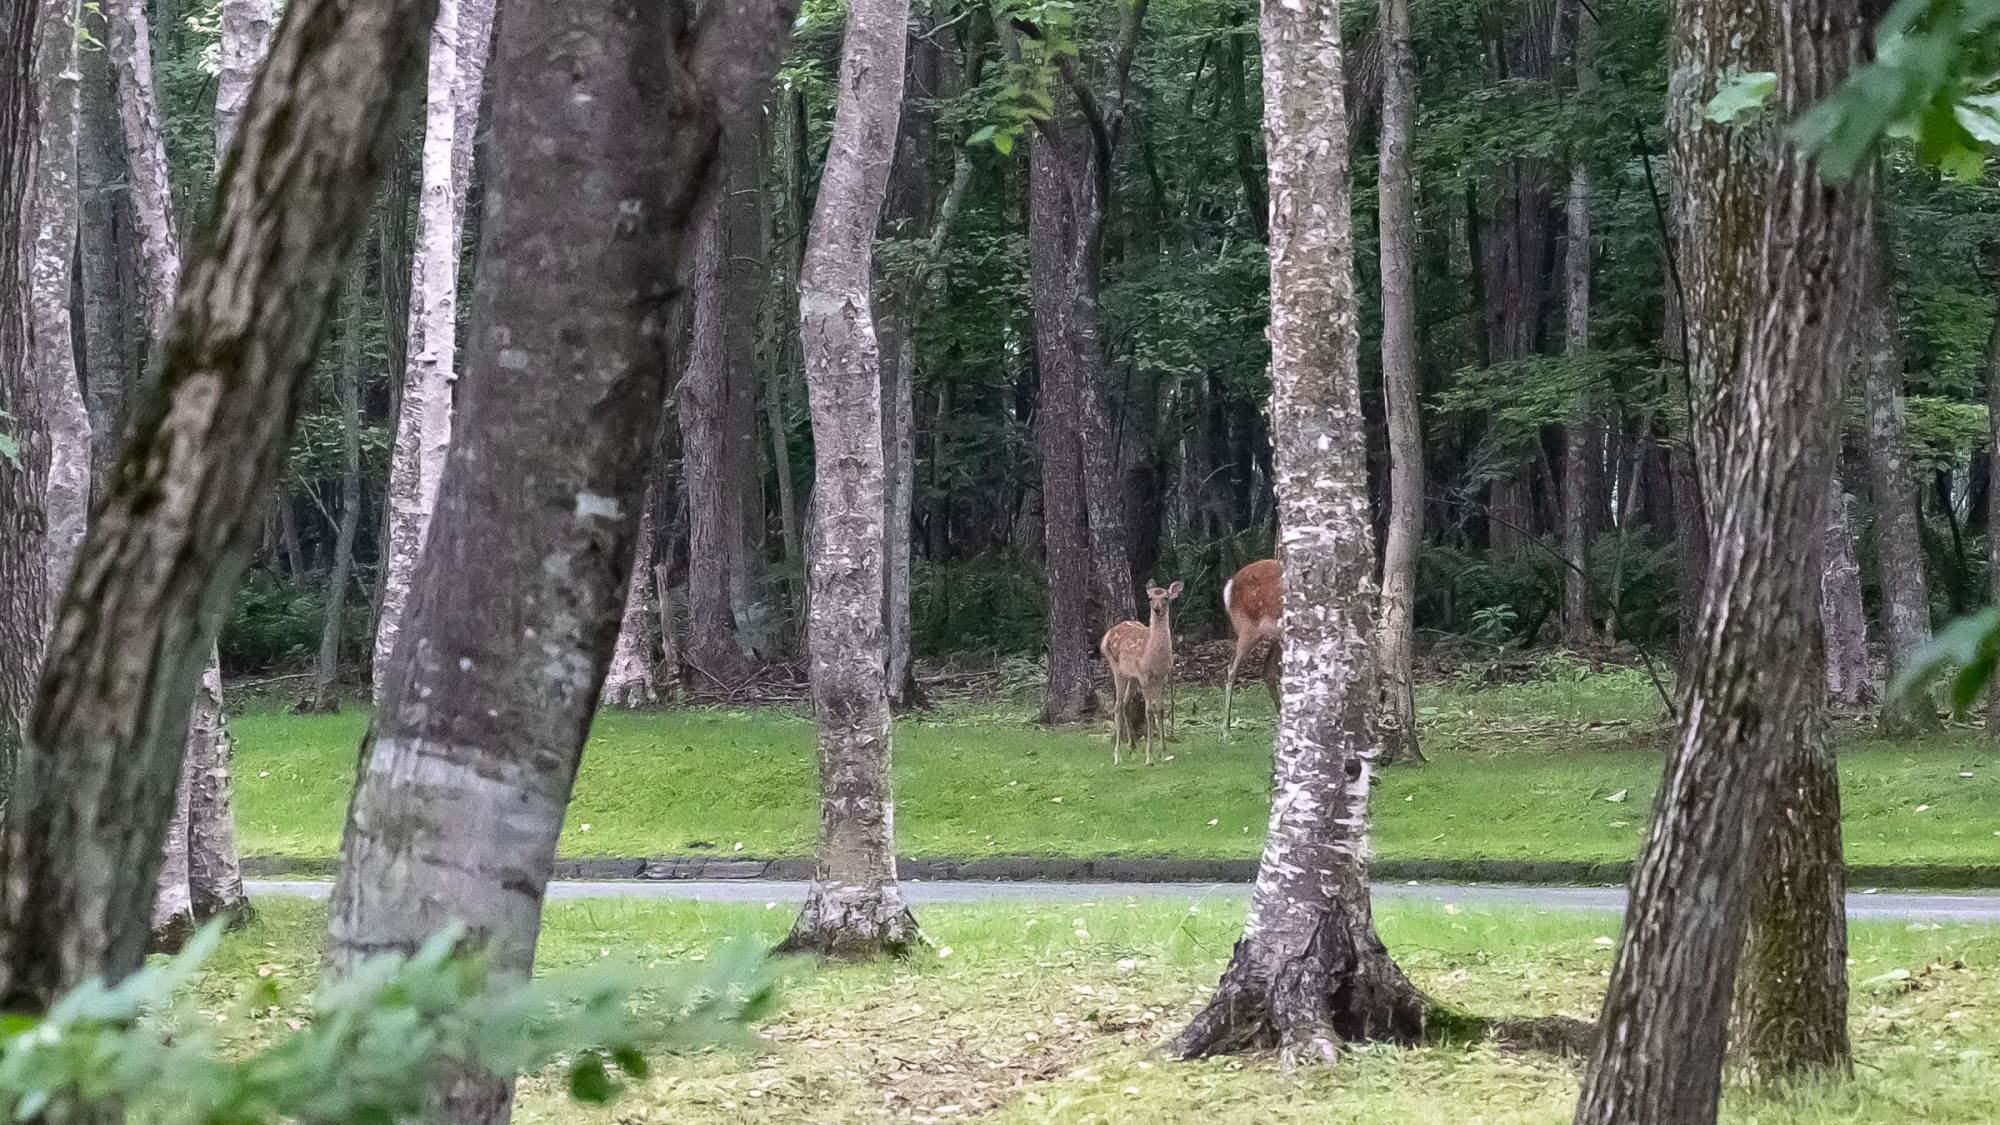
{"x":1174,"y":591}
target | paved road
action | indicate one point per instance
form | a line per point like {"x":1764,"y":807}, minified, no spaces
{"x":1911,"y":906}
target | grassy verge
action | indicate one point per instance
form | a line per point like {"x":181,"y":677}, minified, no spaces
{"x":1026,"y":1013}
{"x":1552,"y":770}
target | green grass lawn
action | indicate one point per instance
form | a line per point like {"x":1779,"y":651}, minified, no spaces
{"x":1053,"y":1013}
{"x":1559,"y":769}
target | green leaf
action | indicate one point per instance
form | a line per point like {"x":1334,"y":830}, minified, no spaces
{"x":631,"y":1061}
{"x":1741,"y":96}
{"x":984,"y":135}
{"x":1980,"y":116}
{"x":588,"y":1081}
{"x":1003,"y":143}
{"x":1970,"y":644}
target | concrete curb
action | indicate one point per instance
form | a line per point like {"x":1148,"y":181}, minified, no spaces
{"x":1151,"y":869}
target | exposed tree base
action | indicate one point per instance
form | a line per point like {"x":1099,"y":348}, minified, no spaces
{"x":318,"y":703}
{"x":1065,"y":713}
{"x":235,"y":915}
{"x":853,"y":923}
{"x":1905,"y":720}
{"x":907,"y":696}
{"x":170,"y":935}
{"x":632,"y":694}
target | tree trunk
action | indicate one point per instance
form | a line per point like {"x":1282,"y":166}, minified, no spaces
{"x":1899,"y":549}
{"x":246,"y":35}
{"x":24,"y":474}
{"x":459,"y":43}
{"x":745,"y":260}
{"x":324,"y":697}
{"x":214,"y":867}
{"x":99,"y":768}
{"x":629,"y":682}
{"x":106,"y":270}
{"x":1583,"y":431}
{"x":1664,"y":1023}
{"x":714,"y":651}
{"x":52,"y":223}
{"x":782,"y":364}
{"x":1842,"y":619}
{"x":855,"y":908}
{"x":602,"y":163}
{"x":1309,"y":973}
{"x":1401,"y":403}
{"x":1993,"y":508}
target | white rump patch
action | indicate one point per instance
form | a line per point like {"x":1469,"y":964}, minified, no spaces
{"x":1226,"y":588}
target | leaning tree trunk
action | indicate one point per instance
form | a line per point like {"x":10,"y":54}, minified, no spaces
{"x":459,"y":43}
{"x":1899,"y":549}
{"x":1583,"y":430}
{"x":176,"y":525}
{"x":855,"y":908}
{"x":324,"y":698}
{"x":602,"y":160}
{"x":24,"y":472}
{"x":52,"y":223}
{"x":159,"y":272}
{"x":1664,"y":1024}
{"x":1309,"y":973}
{"x":1401,"y":405}
{"x":1849,"y":681}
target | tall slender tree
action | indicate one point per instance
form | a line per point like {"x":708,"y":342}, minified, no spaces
{"x":324,"y":695}
{"x":1583,"y":431}
{"x":460,"y":42}
{"x":24,"y":470}
{"x":52,"y":223}
{"x":1664,"y":1023}
{"x":1849,"y":680}
{"x":80,"y":849}
{"x":1310,"y":973}
{"x":603,"y":160}
{"x":1899,"y":551}
{"x":855,"y":908}
{"x":1402,"y":407}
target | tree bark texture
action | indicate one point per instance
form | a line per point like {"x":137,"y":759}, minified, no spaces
{"x":460,"y":40}
{"x":1400,"y":382}
{"x":1993,"y":509}
{"x":112,"y":350}
{"x":1849,"y":680}
{"x":324,"y":697}
{"x":1310,"y":973}
{"x":246,"y":35}
{"x":1664,"y":1022}
{"x":629,"y":682}
{"x":1584,"y":430}
{"x":1899,"y":548}
{"x":855,"y":908}
{"x":135,"y":632}
{"x":602,"y":163}
{"x":744,"y":262}
{"x":52,"y":224}
{"x":715,"y":651}
{"x":24,"y":476}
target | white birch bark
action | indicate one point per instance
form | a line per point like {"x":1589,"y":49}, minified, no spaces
{"x":629,"y":683}
{"x":461,"y":39}
{"x":52,"y":227}
{"x":246,"y":35}
{"x":855,"y":908}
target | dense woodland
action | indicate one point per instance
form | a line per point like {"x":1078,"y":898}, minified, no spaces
{"x":657,"y":350}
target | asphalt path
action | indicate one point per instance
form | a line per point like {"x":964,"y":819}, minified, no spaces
{"x":1914,"y":906}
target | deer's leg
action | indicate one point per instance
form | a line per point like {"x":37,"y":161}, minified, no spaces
{"x":1151,"y":694}
{"x":1229,"y":685}
{"x":1274,"y":666}
{"x":1118,"y":691}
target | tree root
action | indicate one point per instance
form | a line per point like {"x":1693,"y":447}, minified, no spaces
{"x":847,"y":923}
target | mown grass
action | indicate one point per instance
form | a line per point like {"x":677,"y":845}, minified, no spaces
{"x":1054,"y":1013}
{"x":1557,"y":769}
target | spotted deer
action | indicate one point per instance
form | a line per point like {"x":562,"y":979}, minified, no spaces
{"x":1254,"y":602}
{"x":1141,"y":657}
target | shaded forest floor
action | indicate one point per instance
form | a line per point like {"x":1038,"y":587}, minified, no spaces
{"x":1025,"y":1013}
{"x":1559,"y":767}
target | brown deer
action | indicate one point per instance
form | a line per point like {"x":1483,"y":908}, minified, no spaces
{"x":1141,"y":657}
{"x":1254,"y":602}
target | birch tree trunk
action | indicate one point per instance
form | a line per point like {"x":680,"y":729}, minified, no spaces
{"x":324,"y":697}
{"x":1993,"y":510}
{"x":24,"y":475}
{"x":1583,"y":431}
{"x":459,"y":43}
{"x":1664,"y":1023}
{"x":246,"y":35}
{"x":53,"y":226}
{"x":133,"y":635}
{"x":1401,"y":405}
{"x":1310,"y":973}
{"x":1849,"y":680}
{"x":1899,"y":552}
{"x":602,"y":161}
{"x":855,"y":908}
